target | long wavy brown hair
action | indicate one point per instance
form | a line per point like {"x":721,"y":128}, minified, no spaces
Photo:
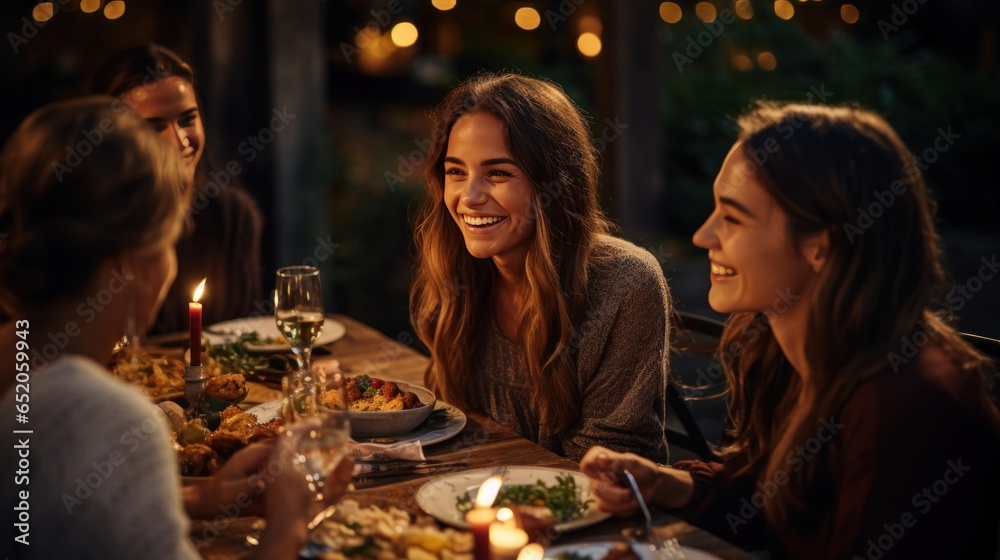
{"x":452,"y":292}
{"x":882,"y":281}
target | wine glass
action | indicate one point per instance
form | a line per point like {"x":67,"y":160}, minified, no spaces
{"x":298,"y":310}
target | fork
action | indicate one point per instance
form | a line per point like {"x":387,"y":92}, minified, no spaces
{"x":666,"y":549}
{"x":499,"y":471}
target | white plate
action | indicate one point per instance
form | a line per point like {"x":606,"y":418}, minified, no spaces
{"x":597,"y":550}
{"x":438,"y":497}
{"x":265,"y":327}
{"x":424,"y":435}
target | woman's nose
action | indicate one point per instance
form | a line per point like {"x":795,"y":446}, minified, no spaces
{"x":705,"y":237}
{"x":475,"y":192}
{"x":180,"y":137}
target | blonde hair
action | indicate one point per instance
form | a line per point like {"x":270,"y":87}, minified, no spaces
{"x":80,"y":181}
{"x":451,"y":294}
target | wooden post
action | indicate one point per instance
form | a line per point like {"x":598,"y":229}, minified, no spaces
{"x":630,"y":124}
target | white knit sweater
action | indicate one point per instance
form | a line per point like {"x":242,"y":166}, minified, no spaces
{"x":103,"y":476}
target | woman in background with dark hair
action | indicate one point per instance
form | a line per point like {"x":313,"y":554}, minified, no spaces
{"x":104,"y":480}
{"x":533,"y":314}
{"x":223,"y":240}
{"x":844,"y":443}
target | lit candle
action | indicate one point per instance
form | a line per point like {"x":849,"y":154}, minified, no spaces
{"x":506,"y":542}
{"x":194,"y":324}
{"x":482,"y":516}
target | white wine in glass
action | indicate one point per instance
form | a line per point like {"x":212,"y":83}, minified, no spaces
{"x":301,"y":328}
{"x":298,"y":310}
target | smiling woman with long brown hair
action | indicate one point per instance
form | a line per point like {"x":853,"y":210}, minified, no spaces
{"x":533,"y":314}
{"x":861,"y":425}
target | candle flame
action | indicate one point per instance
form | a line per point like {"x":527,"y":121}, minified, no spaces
{"x":505,"y":514}
{"x":533,"y":551}
{"x":199,"y":290}
{"x":488,"y":491}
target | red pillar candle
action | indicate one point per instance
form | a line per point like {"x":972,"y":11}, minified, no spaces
{"x":483,"y":514}
{"x":479,"y":520}
{"x":194,"y":324}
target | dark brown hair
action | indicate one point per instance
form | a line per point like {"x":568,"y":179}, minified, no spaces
{"x":881,"y":282}
{"x":549,"y":139}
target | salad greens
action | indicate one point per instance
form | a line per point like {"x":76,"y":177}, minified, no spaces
{"x":562,"y":498}
{"x":235,"y":356}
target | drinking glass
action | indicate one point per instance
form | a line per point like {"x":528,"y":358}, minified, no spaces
{"x":322,"y":433}
{"x":298,"y":310}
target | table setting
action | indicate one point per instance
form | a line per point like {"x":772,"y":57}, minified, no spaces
{"x":423,"y":468}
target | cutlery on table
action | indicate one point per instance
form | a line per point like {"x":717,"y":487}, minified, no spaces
{"x":667,"y":549}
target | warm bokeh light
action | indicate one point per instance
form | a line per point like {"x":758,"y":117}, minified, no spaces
{"x":114,"y":9}
{"x":404,"y":34}
{"x":527,"y":18}
{"x":589,"y":44}
{"x":744,"y":9}
{"x":767,"y":61}
{"x":505,"y":514}
{"x":533,"y":551}
{"x":784,"y":9}
{"x":43,"y":12}
{"x":591,"y":24}
{"x":670,"y":12}
{"x":741,"y":62}
{"x":90,"y":6}
{"x":706,"y":11}
{"x":443,"y":5}
{"x":849,"y":13}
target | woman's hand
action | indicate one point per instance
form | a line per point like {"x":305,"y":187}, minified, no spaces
{"x":233,"y":490}
{"x":607,"y":484}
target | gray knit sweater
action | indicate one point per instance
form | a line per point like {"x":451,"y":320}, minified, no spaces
{"x":620,"y":351}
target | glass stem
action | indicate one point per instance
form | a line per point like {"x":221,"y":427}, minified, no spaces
{"x":304,"y":356}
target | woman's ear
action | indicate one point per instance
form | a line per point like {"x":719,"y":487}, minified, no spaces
{"x":815,"y":249}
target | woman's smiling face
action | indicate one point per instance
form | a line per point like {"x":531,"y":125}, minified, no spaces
{"x":487,"y":194}
{"x":753,"y":258}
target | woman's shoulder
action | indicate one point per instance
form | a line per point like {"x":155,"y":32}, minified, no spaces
{"x":620,"y":256}
{"x":83,"y":384}
{"x":925,"y":385}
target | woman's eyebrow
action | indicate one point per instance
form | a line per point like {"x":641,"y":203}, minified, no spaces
{"x":737,"y":205}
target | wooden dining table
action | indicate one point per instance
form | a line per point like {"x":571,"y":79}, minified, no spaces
{"x":482,"y":443}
